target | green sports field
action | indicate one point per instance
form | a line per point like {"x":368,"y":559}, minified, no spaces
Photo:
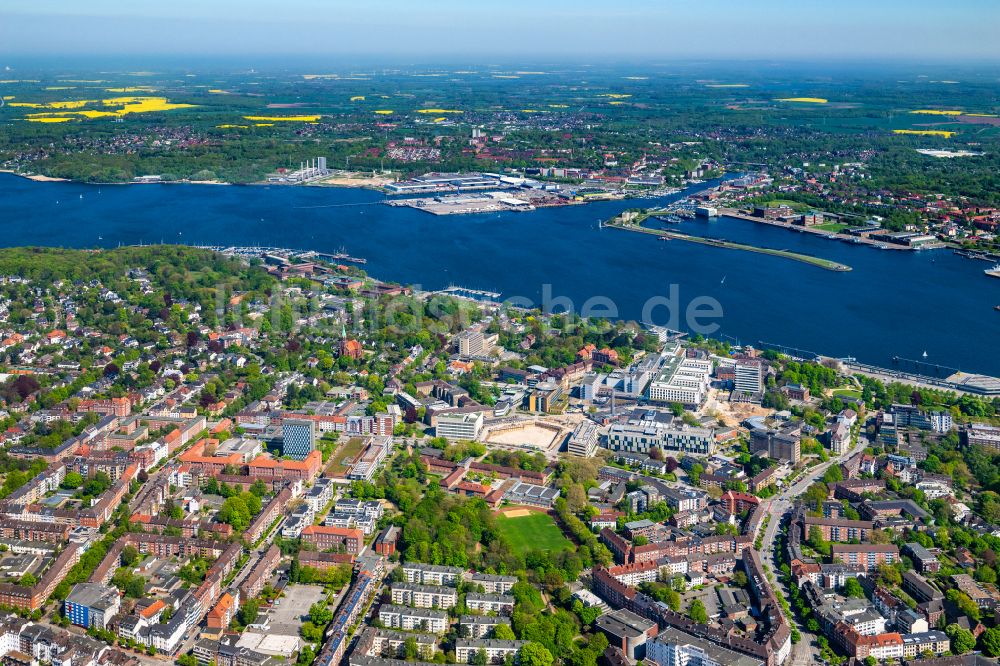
{"x":535,"y":531}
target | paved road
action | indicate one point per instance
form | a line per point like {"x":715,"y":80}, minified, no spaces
{"x":779,"y":508}
{"x":192,"y":636}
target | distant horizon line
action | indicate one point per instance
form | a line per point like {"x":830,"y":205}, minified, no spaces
{"x":493,"y":60}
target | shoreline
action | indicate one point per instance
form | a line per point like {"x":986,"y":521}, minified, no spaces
{"x":885,"y":374}
{"x":348,"y":183}
{"x":36,"y":177}
{"x":339,"y":183}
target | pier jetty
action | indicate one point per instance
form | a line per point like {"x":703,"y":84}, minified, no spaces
{"x":631,"y":221}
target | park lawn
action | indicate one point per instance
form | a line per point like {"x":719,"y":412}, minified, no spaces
{"x":832,"y":227}
{"x":794,"y":205}
{"x":846,"y":393}
{"x":536,"y":531}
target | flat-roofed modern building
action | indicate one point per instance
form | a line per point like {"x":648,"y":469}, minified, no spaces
{"x":583,"y":441}
{"x":458,"y":425}
{"x":627,"y":631}
{"x":749,"y":376}
{"x":298,"y":437}
{"x":92,"y":605}
{"x":682,"y":380}
{"x":648,"y":429}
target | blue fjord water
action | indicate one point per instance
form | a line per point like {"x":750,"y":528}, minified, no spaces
{"x":892,"y":304}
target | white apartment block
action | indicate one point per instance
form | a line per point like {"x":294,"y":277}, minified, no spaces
{"x":490,"y":603}
{"x":413,"y":619}
{"x":431,"y":574}
{"x":479,"y":626}
{"x":424,"y":596}
{"x":494,"y":584}
{"x":496,"y":650}
{"x":319,"y":495}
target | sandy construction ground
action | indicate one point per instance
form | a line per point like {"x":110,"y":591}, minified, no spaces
{"x":355,"y":181}
{"x":530,"y":435}
{"x":730,"y":414}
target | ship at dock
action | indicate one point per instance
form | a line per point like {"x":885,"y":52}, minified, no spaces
{"x":993,"y":272}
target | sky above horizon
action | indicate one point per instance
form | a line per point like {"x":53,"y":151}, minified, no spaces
{"x":465,"y":29}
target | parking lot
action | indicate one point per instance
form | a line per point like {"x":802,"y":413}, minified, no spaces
{"x":291,"y":610}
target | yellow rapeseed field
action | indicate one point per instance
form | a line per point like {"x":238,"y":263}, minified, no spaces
{"x":358,"y":98}
{"x":384,"y":112}
{"x":127,"y":105}
{"x":937,"y":112}
{"x":942,"y":133}
{"x":804,"y":100}
{"x":71,"y":104}
{"x":437,"y":112}
{"x":283,"y":119}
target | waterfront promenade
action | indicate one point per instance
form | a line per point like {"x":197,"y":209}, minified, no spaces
{"x":832,"y":235}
